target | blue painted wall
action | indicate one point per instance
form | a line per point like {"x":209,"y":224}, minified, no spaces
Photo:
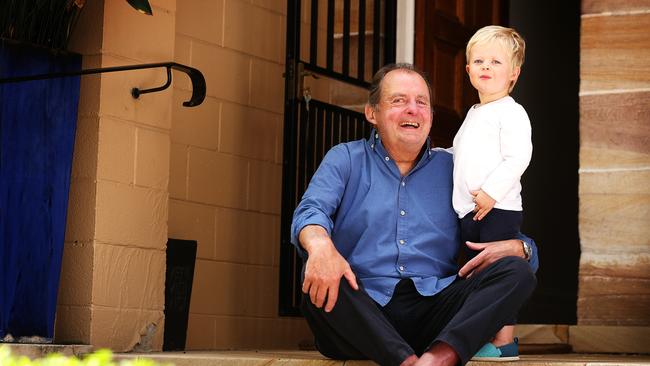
{"x":37,"y":131}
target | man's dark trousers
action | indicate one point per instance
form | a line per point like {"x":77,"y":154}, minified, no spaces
{"x":465,"y":315}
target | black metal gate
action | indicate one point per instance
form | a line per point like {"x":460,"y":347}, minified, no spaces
{"x":311,"y":127}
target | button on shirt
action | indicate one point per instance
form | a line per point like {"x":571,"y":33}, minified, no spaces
{"x":386,"y":226}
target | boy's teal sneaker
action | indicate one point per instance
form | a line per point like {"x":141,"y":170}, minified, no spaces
{"x":489,"y":352}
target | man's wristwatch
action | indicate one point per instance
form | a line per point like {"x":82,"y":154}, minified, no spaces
{"x":527,"y":250}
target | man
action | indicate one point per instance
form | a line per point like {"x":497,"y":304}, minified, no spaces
{"x":380,"y":238}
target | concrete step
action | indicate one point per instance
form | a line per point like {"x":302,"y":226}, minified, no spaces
{"x":312,"y":358}
{"x":38,"y":350}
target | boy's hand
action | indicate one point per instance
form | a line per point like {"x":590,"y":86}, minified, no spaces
{"x":484,"y":204}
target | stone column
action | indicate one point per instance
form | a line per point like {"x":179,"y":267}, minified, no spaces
{"x":614,"y":296}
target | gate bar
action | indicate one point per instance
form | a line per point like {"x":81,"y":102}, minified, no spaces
{"x":330,"y":34}
{"x":361,"y":57}
{"x":376,"y":36}
{"x":313,"y":41}
{"x":346,"y":38}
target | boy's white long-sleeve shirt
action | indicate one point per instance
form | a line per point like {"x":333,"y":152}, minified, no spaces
{"x":492,"y":149}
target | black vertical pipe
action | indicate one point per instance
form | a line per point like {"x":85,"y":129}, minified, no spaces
{"x":336,"y":129}
{"x":376,"y":36}
{"x":309,"y":144}
{"x":326,"y":124}
{"x":330,"y":35}
{"x":313,"y":34}
{"x":289,"y":283}
{"x":358,"y":128}
{"x":361,"y":58}
{"x":329,"y":125}
{"x":287,"y":254}
{"x":346,"y":38}
{"x":303,"y":160}
{"x":318,"y":137}
{"x":343,"y":127}
{"x":301,"y":170}
{"x":390,"y":31}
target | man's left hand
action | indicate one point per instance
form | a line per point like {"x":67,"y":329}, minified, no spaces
{"x":490,"y":253}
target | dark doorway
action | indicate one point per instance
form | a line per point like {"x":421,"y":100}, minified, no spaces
{"x":548,"y":89}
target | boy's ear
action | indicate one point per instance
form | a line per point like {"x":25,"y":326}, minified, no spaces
{"x":370,"y":114}
{"x":467,"y":69}
{"x":515,"y":73}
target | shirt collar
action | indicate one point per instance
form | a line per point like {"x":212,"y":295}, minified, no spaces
{"x":374,"y":142}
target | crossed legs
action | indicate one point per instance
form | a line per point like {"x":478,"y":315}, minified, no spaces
{"x":463,"y":316}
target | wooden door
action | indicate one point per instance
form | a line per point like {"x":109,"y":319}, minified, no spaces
{"x":442,"y":29}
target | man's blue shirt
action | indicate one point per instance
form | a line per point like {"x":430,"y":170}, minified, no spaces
{"x":386,"y":226}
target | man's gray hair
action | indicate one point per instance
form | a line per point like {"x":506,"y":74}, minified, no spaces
{"x":374,"y":95}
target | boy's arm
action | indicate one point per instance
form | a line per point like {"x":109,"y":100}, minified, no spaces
{"x":516,"y":150}
{"x":484,"y":204}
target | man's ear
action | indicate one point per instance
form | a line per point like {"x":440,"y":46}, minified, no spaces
{"x":370,"y":114}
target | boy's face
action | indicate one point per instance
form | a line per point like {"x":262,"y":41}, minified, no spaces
{"x":490,"y":71}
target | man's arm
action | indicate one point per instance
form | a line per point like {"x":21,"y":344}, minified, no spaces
{"x":324,"y":267}
{"x":493,"y":251}
{"x":323,"y":196}
{"x":312,"y":225}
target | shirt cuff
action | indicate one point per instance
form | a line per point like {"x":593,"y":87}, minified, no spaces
{"x":309,"y":219}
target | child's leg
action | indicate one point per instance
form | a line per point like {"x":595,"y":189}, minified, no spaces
{"x":469,"y":231}
{"x":500,"y":225}
{"x":504,"y":336}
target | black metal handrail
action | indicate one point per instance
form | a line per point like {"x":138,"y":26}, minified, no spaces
{"x":198,"y":81}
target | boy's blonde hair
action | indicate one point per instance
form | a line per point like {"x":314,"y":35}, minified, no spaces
{"x":507,"y":37}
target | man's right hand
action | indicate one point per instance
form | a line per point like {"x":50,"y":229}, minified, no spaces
{"x":324,"y":268}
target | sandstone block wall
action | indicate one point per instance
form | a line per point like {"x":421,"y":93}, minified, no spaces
{"x":614,"y":284}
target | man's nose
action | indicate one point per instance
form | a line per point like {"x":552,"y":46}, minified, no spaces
{"x":412,"y":106}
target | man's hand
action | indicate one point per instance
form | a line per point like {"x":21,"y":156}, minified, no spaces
{"x":490,"y":253}
{"x":324,"y":268}
{"x":484,"y":204}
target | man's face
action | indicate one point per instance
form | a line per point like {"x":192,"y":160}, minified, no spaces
{"x":403,"y":115}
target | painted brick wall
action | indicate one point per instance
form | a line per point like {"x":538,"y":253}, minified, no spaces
{"x":226,"y":172}
{"x":614,"y":287}
{"x":112,"y":285}
{"x":148,"y":169}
